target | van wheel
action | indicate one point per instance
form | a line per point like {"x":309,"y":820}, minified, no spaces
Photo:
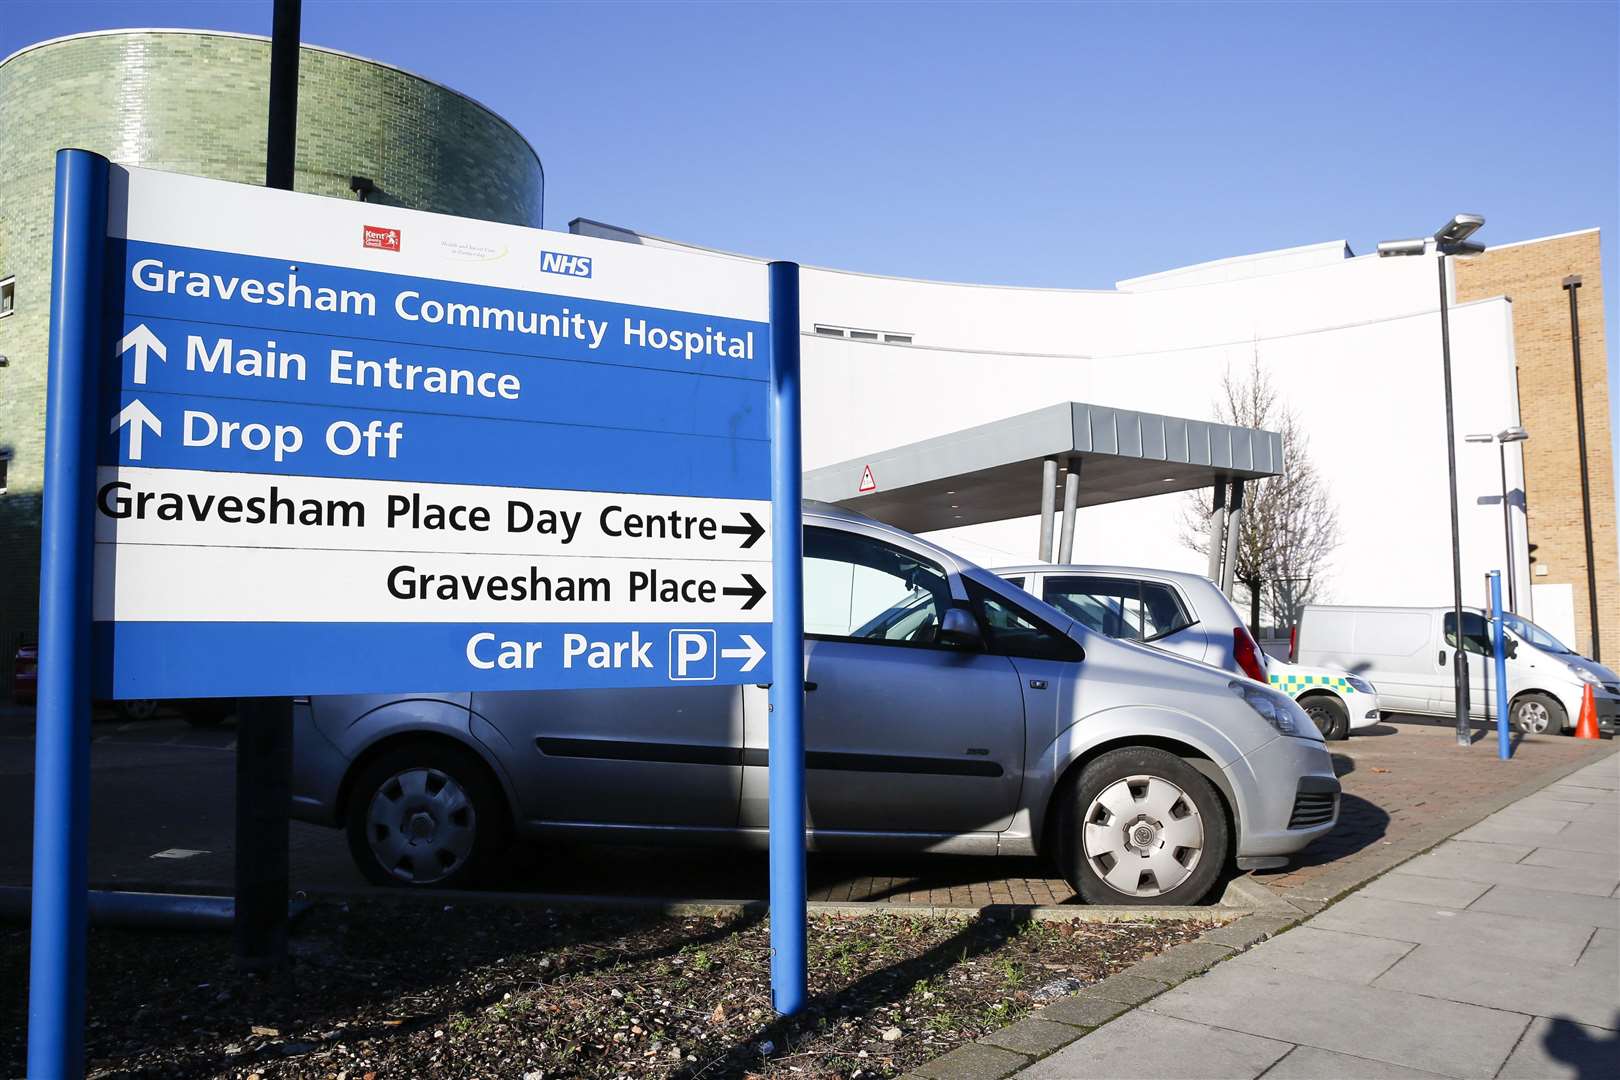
{"x":1538,"y":714}
{"x":1329,"y":715}
{"x":424,"y":815}
{"x":1142,"y":826}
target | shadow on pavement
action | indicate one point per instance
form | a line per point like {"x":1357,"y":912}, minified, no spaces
{"x":1361,"y":824}
{"x":1592,"y":1058}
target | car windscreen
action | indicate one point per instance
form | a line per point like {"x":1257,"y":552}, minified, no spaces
{"x":1535,"y":635}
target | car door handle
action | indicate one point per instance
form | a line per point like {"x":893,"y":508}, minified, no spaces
{"x":1442,"y":658}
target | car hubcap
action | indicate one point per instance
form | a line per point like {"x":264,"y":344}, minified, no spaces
{"x":1143,"y":835}
{"x":1321,"y":717}
{"x":421,"y":825}
{"x":1533,"y":717}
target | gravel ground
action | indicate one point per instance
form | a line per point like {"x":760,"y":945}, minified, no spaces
{"x":401,"y":989}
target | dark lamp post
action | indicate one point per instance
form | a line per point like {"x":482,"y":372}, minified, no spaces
{"x":1452,"y":238}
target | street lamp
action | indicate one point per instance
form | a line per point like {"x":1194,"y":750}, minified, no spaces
{"x":1501,"y":439}
{"x":1452,"y":238}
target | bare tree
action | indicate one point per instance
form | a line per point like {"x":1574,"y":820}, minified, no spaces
{"x":1289,"y":525}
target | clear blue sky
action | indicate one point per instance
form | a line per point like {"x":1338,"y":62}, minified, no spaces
{"x":1021,"y":144}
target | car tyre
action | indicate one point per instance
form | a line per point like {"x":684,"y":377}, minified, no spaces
{"x":1536,"y":713}
{"x":136,"y":709}
{"x":1140,"y":826}
{"x":207,"y":712}
{"x":425,"y":815}
{"x":1329,"y":715}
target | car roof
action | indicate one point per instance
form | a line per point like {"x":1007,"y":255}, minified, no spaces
{"x":830,"y":513}
{"x":1098,"y":568}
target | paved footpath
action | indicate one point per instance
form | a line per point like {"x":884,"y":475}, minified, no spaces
{"x":1495,"y":955}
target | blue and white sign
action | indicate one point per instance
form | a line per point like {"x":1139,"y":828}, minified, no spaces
{"x":347,"y":448}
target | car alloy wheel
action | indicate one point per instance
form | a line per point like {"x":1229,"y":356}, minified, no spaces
{"x":421,"y":826}
{"x":1143,"y":835}
{"x":1533,"y":717}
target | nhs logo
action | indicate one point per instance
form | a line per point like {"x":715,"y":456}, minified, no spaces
{"x":557,"y":262}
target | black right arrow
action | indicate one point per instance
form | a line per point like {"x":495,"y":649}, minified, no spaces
{"x":753,"y":530}
{"x":755,"y":592}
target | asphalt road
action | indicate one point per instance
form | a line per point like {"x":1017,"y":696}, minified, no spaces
{"x":162,"y":818}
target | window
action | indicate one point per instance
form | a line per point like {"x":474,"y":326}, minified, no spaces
{"x":1009,"y":630}
{"x":8,"y":296}
{"x":1476,"y":635}
{"x":1125,"y":608}
{"x":1016,"y":582}
{"x":861,"y":589}
{"x":5,"y":460}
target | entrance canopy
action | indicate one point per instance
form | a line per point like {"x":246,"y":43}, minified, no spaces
{"x":996,"y":471}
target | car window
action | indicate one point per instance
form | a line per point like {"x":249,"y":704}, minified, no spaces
{"x":1476,"y":636}
{"x":1125,"y":608}
{"x":1162,"y":612}
{"x":1009,"y":630}
{"x":1016,"y":582}
{"x":861,"y":589}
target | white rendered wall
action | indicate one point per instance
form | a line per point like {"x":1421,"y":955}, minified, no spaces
{"x":1352,"y":345}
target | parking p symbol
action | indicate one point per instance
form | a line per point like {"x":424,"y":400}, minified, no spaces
{"x":692,"y":655}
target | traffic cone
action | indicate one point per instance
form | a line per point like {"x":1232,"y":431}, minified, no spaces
{"x":1587,"y":727}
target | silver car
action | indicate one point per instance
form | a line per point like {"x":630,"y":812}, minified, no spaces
{"x":945,"y":710}
{"x":1183,"y":613}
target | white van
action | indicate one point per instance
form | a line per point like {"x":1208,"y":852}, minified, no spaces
{"x":1407,"y":654}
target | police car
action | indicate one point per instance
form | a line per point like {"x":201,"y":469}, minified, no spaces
{"x":1336,"y":700}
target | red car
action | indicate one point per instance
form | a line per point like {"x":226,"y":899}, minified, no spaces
{"x":204,"y":712}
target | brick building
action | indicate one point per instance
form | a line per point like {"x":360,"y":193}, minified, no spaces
{"x":1531,"y":274}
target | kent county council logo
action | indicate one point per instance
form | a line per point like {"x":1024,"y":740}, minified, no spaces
{"x":384,"y":239}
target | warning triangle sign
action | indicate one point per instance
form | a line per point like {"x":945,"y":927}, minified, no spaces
{"x":868,"y":481}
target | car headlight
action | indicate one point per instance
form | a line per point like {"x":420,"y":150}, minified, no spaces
{"x":1360,"y":685}
{"x":1275,"y":709}
{"x":1588,"y":677}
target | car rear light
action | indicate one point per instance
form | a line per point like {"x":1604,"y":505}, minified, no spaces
{"x":1247,"y":654}
{"x":1293,"y":643}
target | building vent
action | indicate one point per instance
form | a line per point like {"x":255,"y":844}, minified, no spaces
{"x":888,"y":337}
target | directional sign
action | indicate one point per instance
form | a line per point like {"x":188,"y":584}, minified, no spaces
{"x":352,"y":448}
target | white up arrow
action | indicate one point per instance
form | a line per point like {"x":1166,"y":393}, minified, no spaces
{"x":138,"y":417}
{"x":142,"y":341}
{"x":751,"y":655}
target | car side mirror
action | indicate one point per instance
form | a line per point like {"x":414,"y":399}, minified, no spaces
{"x":1510,"y":648}
{"x":959,"y":629}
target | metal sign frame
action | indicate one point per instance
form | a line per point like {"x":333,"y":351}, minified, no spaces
{"x":82,"y":337}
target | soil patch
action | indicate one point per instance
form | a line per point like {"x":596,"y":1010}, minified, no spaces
{"x":385,"y":989}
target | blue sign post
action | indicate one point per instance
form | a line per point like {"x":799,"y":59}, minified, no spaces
{"x":301,"y":446}
{"x":1504,"y":745}
{"x":786,"y":749}
{"x":56,"y":969}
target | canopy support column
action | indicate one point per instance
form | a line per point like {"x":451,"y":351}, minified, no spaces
{"x":1071,"y":500}
{"x":1048,"y":506}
